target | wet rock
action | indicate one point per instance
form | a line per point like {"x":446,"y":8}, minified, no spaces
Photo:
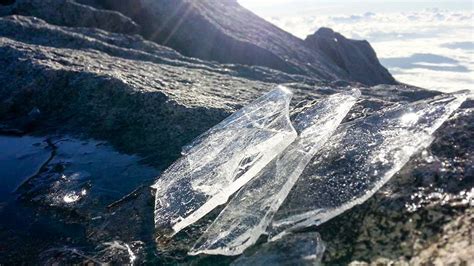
{"x":355,"y":57}
{"x":66,"y":193}
{"x":21,"y":158}
{"x":83,"y":177}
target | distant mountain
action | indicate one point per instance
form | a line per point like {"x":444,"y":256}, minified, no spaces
{"x":357,"y":58}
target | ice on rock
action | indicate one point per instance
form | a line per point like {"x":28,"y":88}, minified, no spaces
{"x":293,"y":249}
{"x":222,"y":160}
{"x":359,"y":159}
{"x":250,"y":211}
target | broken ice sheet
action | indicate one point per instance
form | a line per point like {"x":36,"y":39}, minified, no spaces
{"x":293,"y":249}
{"x":359,"y":159}
{"x":222,"y":160}
{"x":248,"y":214}
{"x":115,"y":252}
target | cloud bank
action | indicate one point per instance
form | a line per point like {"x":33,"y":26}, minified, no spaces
{"x":432,"y":48}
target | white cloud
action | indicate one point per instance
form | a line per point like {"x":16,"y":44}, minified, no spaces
{"x":404,"y":37}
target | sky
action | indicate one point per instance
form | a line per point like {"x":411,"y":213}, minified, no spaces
{"x":423,"y":43}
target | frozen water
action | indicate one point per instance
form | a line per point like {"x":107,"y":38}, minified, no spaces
{"x":293,"y":249}
{"x":248,"y":214}
{"x":358,"y":159}
{"x":222,"y":160}
{"x":115,"y":252}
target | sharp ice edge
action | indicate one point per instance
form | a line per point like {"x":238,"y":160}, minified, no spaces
{"x":236,"y":118}
{"x":294,"y":249}
{"x":222,"y":196}
{"x":248,"y":214}
{"x":359,"y":159}
{"x":222,"y":160}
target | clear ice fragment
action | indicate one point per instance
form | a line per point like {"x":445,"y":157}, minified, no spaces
{"x":293,"y":249}
{"x":222,"y":160}
{"x":359,"y":159}
{"x":250,"y":211}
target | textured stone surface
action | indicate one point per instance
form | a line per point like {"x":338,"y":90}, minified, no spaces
{"x":148,"y":99}
{"x":126,"y":89}
{"x":101,"y":94}
{"x":226,"y":32}
{"x":357,"y":58}
{"x":70,"y":13}
{"x":423,"y":215}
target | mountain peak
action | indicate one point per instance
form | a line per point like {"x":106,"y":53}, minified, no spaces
{"x":356,"y":57}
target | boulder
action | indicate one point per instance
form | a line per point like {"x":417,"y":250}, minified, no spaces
{"x":221,"y":31}
{"x":71,"y":14}
{"x":357,"y":58}
{"x":228,"y":33}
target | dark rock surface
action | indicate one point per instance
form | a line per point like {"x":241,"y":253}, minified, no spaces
{"x":216,"y":30}
{"x":228,"y":33}
{"x":148,"y":99}
{"x":6,"y":2}
{"x":73,"y":78}
{"x":225,"y":32}
{"x":357,"y":58}
{"x":104,"y":83}
{"x":70,"y":13}
{"x":423,"y":216}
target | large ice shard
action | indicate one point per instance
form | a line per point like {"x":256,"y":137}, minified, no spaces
{"x":251,"y":210}
{"x":358,"y":159}
{"x":293,"y":249}
{"x":222,"y":160}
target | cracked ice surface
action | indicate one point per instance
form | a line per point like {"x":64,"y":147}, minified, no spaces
{"x":293,"y":249}
{"x":222,"y":160}
{"x":248,"y":214}
{"x":359,"y":159}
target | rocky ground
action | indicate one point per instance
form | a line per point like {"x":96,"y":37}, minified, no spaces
{"x":96,"y":78}
{"x":424,"y":215}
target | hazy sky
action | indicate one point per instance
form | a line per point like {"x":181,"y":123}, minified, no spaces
{"x":424,"y":43}
{"x":335,"y":7}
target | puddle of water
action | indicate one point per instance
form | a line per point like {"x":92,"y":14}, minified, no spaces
{"x":20,"y":158}
{"x":50,"y":188}
{"x":86,"y":176}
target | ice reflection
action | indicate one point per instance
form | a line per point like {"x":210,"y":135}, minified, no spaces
{"x":349,"y":171}
{"x":409,"y":118}
{"x":73,"y":196}
{"x":222,"y":160}
{"x":248,"y":214}
{"x":85,"y":176}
